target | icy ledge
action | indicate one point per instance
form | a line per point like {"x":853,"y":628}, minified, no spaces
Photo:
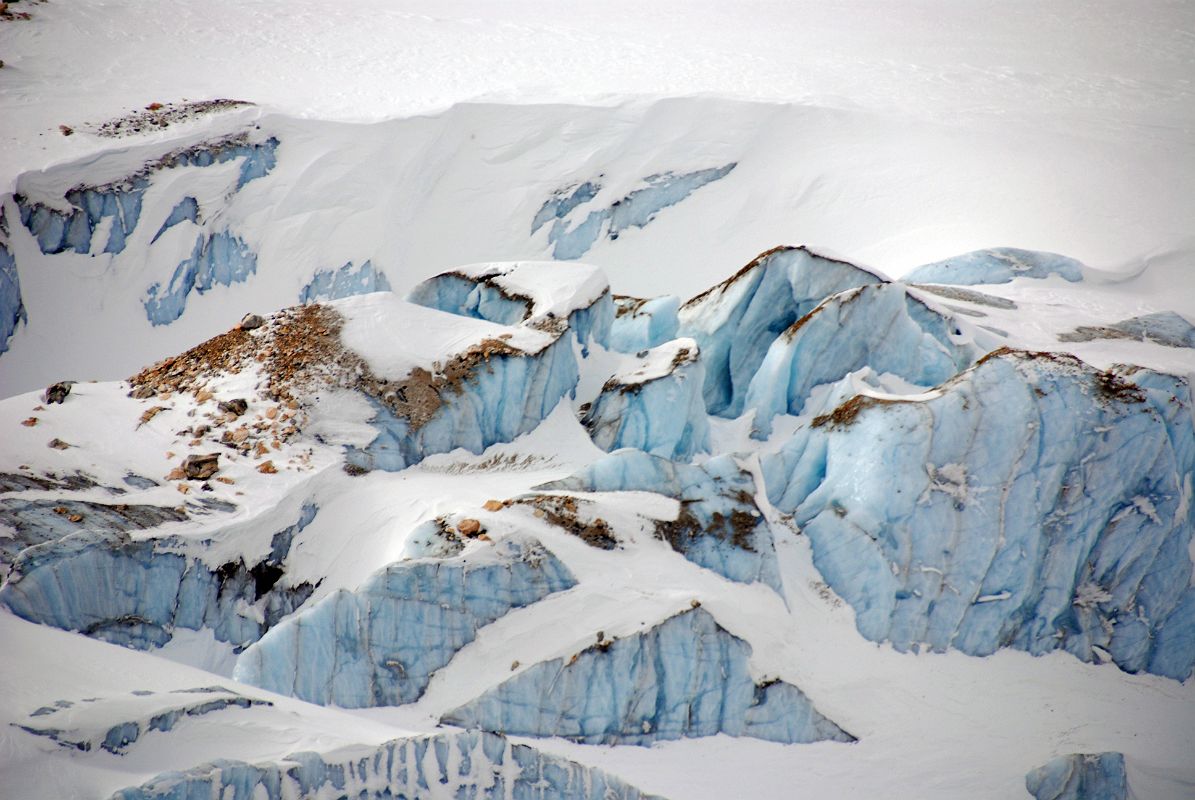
{"x":686,"y":677}
{"x":1031,"y":502}
{"x":655,"y":406}
{"x":1080,"y":777}
{"x":444,"y":767}
{"x":380,"y":644}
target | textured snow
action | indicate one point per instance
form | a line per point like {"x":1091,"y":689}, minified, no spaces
{"x":686,"y":677}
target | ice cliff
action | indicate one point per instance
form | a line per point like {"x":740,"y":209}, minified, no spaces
{"x":642,"y":324}
{"x":736,"y":321}
{"x":654,"y":405}
{"x":1083,"y":776}
{"x":442,"y":767}
{"x":380,"y":644}
{"x":105,"y":584}
{"x":997,"y":265}
{"x":877,"y":326}
{"x":1031,"y":502}
{"x":686,"y":677}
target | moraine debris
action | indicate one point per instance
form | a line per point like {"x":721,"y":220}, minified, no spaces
{"x":57,"y":392}
{"x":201,"y":467}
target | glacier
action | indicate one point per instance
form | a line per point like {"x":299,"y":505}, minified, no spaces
{"x":880,"y":326}
{"x":185,"y":210}
{"x":572,"y":240}
{"x":686,"y":677}
{"x":654,"y":405}
{"x":12,"y":306}
{"x":1164,"y":328}
{"x":58,"y":230}
{"x":379,"y":644}
{"x":1031,"y":502}
{"x":718,"y":525}
{"x":640,"y":324}
{"x":135,"y":593}
{"x":456,"y":766}
{"x":1083,"y":776}
{"x":345,"y":281}
{"x":997,"y":265}
{"x":735,"y":322}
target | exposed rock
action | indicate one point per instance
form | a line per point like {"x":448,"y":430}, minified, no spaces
{"x":235,"y":407}
{"x":58,"y":444}
{"x":469,"y":527}
{"x":251,"y":322}
{"x":201,"y":467}
{"x":57,"y":392}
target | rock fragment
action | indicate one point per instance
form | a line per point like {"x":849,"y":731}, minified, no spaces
{"x":201,"y":467}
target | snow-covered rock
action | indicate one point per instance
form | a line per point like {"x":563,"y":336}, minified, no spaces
{"x":1031,"y":502}
{"x":684,"y":678}
{"x":442,"y":767}
{"x":380,"y":644}
{"x":879,"y":326}
{"x":1083,"y":776}
{"x":655,"y":405}
{"x":736,"y":321}
{"x":997,"y":265}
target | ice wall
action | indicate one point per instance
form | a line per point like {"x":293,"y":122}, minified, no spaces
{"x":218,"y":259}
{"x":571,"y":237}
{"x":878,"y":326}
{"x":643,"y":324}
{"x":346,"y":281}
{"x":12,"y":306}
{"x":380,"y":644}
{"x":58,"y":230}
{"x":655,"y":405}
{"x":736,"y":321}
{"x":136,"y":593}
{"x":1084,"y":776}
{"x":458,"y":766}
{"x":684,"y":678}
{"x":997,"y":265}
{"x":1032,"y":502}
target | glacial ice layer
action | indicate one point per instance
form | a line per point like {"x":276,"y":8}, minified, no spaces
{"x":684,"y":678}
{"x":443,"y":767}
{"x":1031,"y":502}
{"x":997,"y":265}
{"x":736,"y":321}
{"x":380,"y":644}
{"x":655,"y":406}
{"x":1083,"y":776}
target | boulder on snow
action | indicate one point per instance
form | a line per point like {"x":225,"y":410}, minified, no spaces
{"x":57,"y":392}
{"x":201,"y":467}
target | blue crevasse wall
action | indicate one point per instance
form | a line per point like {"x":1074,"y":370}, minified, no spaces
{"x":684,"y":678}
{"x":482,"y":298}
{"x":635,"y":210}
{"x":217,"y":259}
{"x":1164,"y":328}
{"x":736,"y":321}
{"x":186,"y":209}
{"x":664,"y":416}
{"x":504,"y":397}
{"x":58,"y":231}
{"x":380,"y":644}
{"x":135,"y":593}
{"x":458,"y":766}
{"x":12,"y":306}
{"x":997,"y":265}
{"x":878,"y":326}
{"x":643,"y":324}
{"x":1099,"y":776}
{"x":1033,"y":503}
{"x":346,"y":281}
{"x":718,"y":526}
